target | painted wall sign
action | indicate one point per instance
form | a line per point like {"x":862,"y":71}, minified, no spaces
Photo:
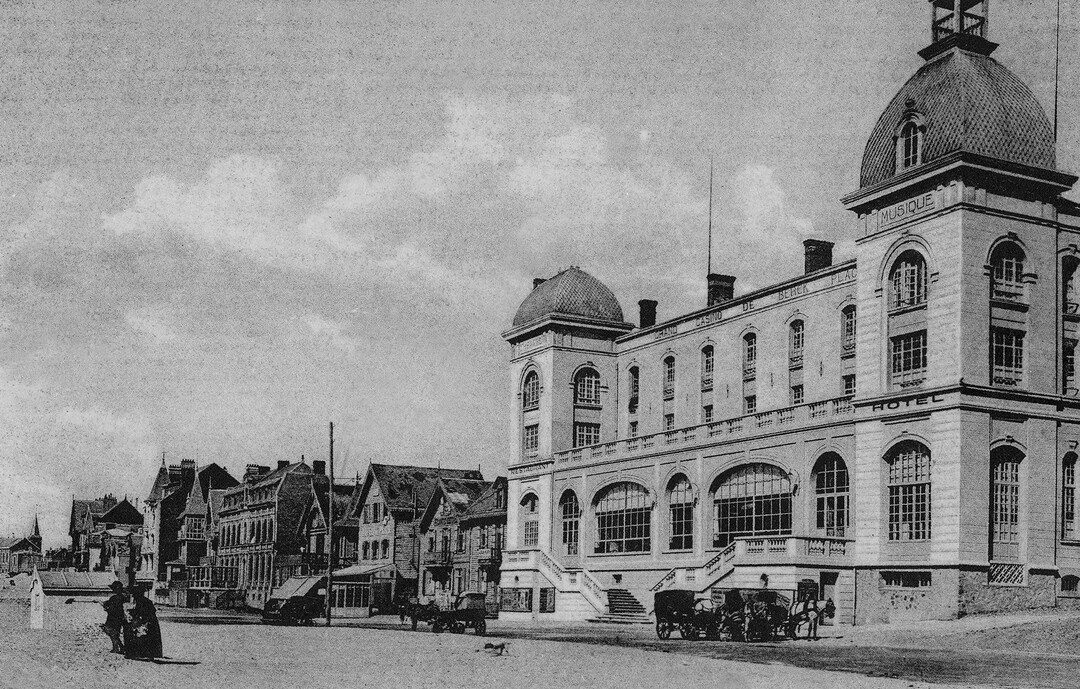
{"x":907,"y":209}
{"x":709,"y":318}
{"x":792,"y":292}
{"x":843,"y":276}
{"x":667,"y":331}
{"x":920,"y":401}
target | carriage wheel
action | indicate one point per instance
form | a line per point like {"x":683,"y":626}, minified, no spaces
{"x":437,"y":626}
{"x":688,"y":631}
{"x":663,"y":629}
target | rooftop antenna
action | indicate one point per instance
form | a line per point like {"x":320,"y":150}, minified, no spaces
{"x":709,"y":270}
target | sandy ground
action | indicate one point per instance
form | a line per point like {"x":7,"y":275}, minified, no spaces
{"x":241,"y":656}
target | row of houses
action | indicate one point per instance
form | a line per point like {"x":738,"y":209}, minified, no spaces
{"x":204,"y":538}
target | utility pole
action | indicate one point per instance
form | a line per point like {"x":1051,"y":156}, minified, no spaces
{"x":330,"y":529}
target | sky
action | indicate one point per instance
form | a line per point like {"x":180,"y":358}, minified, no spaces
{"x":225,"y":225}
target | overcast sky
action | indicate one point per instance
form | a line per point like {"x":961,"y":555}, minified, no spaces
{"x":223,"y":225}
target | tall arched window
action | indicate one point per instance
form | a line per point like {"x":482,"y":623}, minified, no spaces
{"x":831,"y":488}
{"x":847,"y":331}
{"x":749,"y":356}
{"x":570,"y":511}
{"x":1005,"y":503}
{"x":909,"y":145}
{"x":707,"y":366}
{"x":681,"y":511}
{"x":623,"y":519}
{"x":669,"y":377}
{"x":530,"y":391}
{"x":907,"y":281}
{"x":1007,"y":272}
{"x":909,"y":492}
{"x":587,"y":387}
{"x":1070,"y":298}
{"x":530,"y":521}
{"x":796,"y":339}
{"x":1068,"y":497}
{"x":752,"y":500}
{"x":635,"y":387}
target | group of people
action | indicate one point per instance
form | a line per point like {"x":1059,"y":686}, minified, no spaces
{"x":131,"y":622}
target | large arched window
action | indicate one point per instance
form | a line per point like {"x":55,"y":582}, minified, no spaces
{"x":1005,"y":504}
{"x":669,"y":377}
{"x":623,"y":519}
{"x":752,"y":500}
{"x":1068,"y":497}
{"x":530,"y":391}
{"x":907,"y":281}
{"x":681,"y":511}
{"x":587,"y":387}
{"x":831,"y":488}
{"x":635,"y":388}
{"x":909,"y":146}
{"x":707,"y":366}
{"x":796,"y":340}
{"x":1007,"y":272}
{"x":749,"y":356}
{"x":909,"y":492}
{"x":570,"y":511}
{"x":530,"y":521}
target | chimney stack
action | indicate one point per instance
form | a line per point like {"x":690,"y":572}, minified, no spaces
{"x":721,"y":288}
{"x":538,"y":281}
{"x":282,"y":463}
{"x":647,"y":312}
{"x":318,"y":466}
{"x":817,"y":255}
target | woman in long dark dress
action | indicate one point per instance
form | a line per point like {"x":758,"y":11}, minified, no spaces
{"x":142,"y":634}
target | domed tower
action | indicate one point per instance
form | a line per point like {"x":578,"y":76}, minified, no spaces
{"x":563,"y":374}
{"x":959,"y":321}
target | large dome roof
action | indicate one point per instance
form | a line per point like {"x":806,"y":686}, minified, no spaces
{"x":573,"y":292}
{"x":969,"y":103}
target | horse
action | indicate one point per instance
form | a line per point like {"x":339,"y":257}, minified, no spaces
{"x":808,"y":612}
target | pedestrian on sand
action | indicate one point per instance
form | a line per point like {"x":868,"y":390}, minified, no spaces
{"x":142,"y":633}
{"x":114,"y":616}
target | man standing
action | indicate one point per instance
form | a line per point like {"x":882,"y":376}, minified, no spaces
{"x":114,"y":616}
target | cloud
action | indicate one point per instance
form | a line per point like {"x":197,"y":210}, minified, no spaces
{"x":331,"y":332}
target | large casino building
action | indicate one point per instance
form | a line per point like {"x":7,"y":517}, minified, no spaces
{"x":900,"y":429}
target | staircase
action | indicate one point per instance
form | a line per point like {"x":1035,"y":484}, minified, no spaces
{"x":623,"y":608}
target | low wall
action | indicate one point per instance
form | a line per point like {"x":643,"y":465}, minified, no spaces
{"x":977,"y":596}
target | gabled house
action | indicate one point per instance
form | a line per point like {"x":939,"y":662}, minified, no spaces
{"x":81,"y":525}
{"x":388,"y":510}
{"x":312,"y":526}
{"x":22,"y":553}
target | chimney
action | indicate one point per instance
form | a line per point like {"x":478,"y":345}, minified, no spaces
{"x":187,"y":471}
{"x":538,"y":281}
{"x":721,"y":288}
{"x":254,"y":471}
{"x":282,"y":463}
{"x":817,"y":256}
{"x":174,"y":473}
{"x":318,"y":466}
{"x":647,"y":311}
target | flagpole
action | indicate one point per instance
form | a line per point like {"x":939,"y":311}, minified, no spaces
{"x":1057,"y":67}
{"x":330,"y":529}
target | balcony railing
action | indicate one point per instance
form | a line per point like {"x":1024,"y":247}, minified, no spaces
{"x":706,"y":381}
{"x":749,"y":371}
{"x":490,"y":555}
{"x":787,"y":418}
{"x":437,"y":558}
{"x":795,"y":360}
{"x":212,"y":577}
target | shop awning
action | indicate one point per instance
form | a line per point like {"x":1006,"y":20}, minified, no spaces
{"x":362,"y":570}
{"x":296,"y":586}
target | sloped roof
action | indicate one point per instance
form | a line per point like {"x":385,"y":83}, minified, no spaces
{"x":123,"y":513}
{"x":573,"y":292}
{"x":970,"y":103}
{"x":400,"y":485}
{"x":161,"y":484}
{"x":215,"y":501}
{"x":488,"y":504}
{"x":457,"y":493}
{"x":62,"y":582}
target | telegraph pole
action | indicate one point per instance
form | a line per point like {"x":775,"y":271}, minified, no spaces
{"x":330,"y":529}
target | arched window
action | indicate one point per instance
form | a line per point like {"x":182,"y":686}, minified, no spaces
{"x":570,"y":511}
{"x":1007,"y":272}
{"x":1070,"y":298}
{"x":909,"y":146}
{"x":749,"y":356}
{"x":796,"y":338}
{"x":1005,"y":503}
{"x":909,"y":492}
{"x":752,"y":500}
{"x":587,"y":387}
{"x":907,"y":281}
{"x":847,"y":331}
{"x":385,"y":548}
{"x":1068,"y":497}
{"x":635,"y":386}
{"x":681,"y":511}
{"x":669,"y":377}
{"x":623,"y":519}
{"x":530,"y":391}
{"x":707,"y":366}
{"x":530,"y":521}
{"x":831,"y":488}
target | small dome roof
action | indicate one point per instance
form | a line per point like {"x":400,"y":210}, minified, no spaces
{"x":968,"y":102}
{"x":573,"y":292}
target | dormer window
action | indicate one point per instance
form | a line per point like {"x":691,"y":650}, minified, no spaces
{"x":909,"y":142}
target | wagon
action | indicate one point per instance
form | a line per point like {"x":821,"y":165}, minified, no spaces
{"x":467,"y":612}
{"x":297,"y":601}
{"x":680,"y":609}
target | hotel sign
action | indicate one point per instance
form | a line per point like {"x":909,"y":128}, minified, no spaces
{"x":905,"y":210}
{"x":920,"y":401}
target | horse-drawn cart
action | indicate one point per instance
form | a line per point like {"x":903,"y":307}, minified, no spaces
{"x":467,"y":612}
{"x":744,"y":615}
